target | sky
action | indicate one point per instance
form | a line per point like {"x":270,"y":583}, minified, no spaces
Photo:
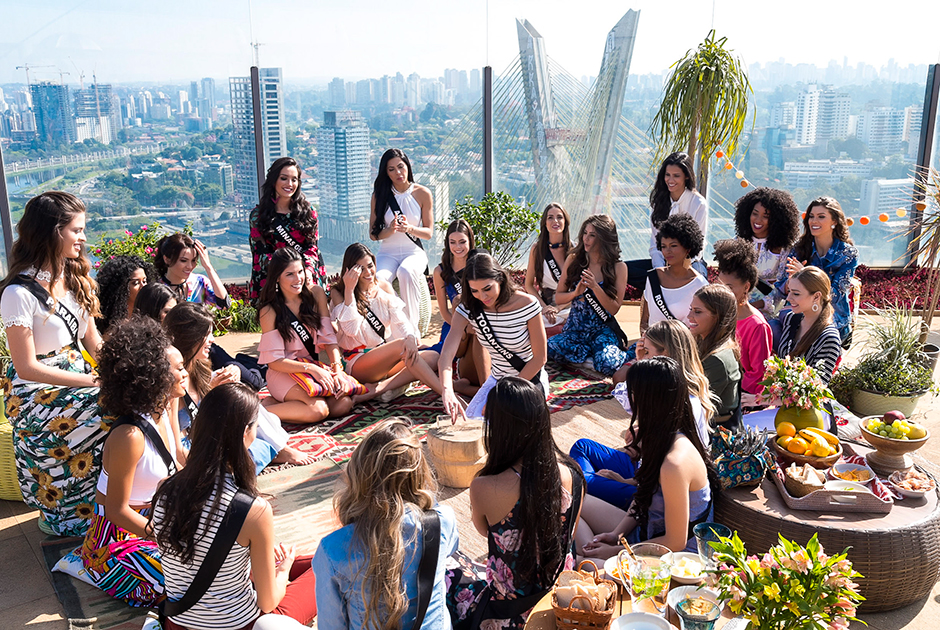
{"x":315,"y":40}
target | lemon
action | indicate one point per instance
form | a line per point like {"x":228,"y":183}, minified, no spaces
{"x":820,"y":447}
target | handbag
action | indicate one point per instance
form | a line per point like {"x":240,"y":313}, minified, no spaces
{"x":737,"y":467}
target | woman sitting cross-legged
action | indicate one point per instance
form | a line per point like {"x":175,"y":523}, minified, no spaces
{"x":675,"y":481}
{"x":369,"y":571}
{"x":296,"y":327}
{"x":379,"y":342}
{"x":140,"y":375}
{"x":506,"y":321}
{"x":525,"y":501}
{"x":257,"y":575}
{"x":608,"y":471}
{"x":808,"y":328}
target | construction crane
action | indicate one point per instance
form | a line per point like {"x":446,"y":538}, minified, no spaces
{"x":28,"y":67}
{"x":62,"y":74}
{"x":81,"y":75}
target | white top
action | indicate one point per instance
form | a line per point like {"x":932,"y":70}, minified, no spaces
{"x":511,"y":331}
{"x":355,"y":333}
{"x":692,"y":204}
{"x":412,"y":211}
{"x":150,"y":469}
{"x":548,"y":280}
{"x":677,"y":300}
{"x":231,"y":601}
{"x":19,"y":307}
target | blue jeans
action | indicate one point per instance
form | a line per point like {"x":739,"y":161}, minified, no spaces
{"x":592,"y":456}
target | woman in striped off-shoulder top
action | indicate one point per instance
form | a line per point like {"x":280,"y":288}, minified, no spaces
{"x":808,"y":329}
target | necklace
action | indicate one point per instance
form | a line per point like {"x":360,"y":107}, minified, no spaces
{"x":42,"y":275}
{"x":555,"y":245}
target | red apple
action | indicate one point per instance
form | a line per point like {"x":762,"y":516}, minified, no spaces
{"x":891,"y":416}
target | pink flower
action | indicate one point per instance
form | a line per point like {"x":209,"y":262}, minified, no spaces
{"x":128,"y":232}
{"x":500,"y":576}
{"x":149,"y":250}
{"x":768,"y":562}
{"x":839,"y":623}
{"x":464,"y":600}
{"x":509,"y":540}
{"x":143,"y":228}
{"x":847,"y":606}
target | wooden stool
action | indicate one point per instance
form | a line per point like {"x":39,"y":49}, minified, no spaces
{"x":457,"y":453}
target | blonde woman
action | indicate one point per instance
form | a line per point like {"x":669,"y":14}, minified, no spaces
{"x":808,"y":328}
{"x":607,"y":469}
{"x":367,"y":571}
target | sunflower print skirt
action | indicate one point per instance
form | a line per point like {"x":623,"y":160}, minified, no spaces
{"x":58,"y":435}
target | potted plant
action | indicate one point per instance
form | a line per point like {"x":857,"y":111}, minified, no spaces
{"x":797,"y":389}
{"x":500,"y":225}
{"x":892,"y":373}
{"x":791,"y":587}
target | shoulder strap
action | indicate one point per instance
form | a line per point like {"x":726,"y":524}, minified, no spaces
{"x":427,"y":568}
{"x":301,"y":331}
{"x":152,"y":435}
{"x":221,"y":545}
{"x":609,"y":320}
{"x":657,"y":290}
{"x":486,"y":331}
{"x":191,"y":406}
{"x":50,"y":304}
{"x":396,"y":210}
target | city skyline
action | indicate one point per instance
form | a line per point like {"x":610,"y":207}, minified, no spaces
{"x":177,"y":44}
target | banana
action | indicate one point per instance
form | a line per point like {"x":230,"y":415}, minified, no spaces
{"x":813,"y":432}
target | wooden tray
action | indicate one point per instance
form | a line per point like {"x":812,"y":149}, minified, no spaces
{"x":832,"y":500}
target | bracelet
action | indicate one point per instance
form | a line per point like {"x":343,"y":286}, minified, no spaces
{"x":336,"y":367}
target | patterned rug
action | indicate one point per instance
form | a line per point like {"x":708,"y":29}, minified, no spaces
{"x":337,"y":438}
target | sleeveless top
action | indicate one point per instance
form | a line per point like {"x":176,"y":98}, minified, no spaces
{"x":150,"y":468}
{"x":412,"y":211}
{"x":231,"y":601}
{"x":548,"y":280}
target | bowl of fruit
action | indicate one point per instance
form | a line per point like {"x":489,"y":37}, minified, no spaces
{"x":818,"y":448}
{"x":894,"y":438}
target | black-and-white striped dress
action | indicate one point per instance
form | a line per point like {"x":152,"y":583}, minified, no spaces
{"x":512,"y":331}
{"x":824,"y":353}
{"x":231,"y":601}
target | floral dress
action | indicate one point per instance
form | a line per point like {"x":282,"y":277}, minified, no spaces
{"x":585,"y":337}
{"x":263,"y":247}
{"x":502,"y":583}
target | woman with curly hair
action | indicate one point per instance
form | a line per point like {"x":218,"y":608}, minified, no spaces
{"x":155,"y":301}
{"x":770,"y":220}
{"x":402,"y":217}
{"x":669,"y":289}
{"x":676,"y":481}
{"x":546,"y":260}
{"x":713,"y":321}
{"x":283,"y":218}
{"x":594,"y":281}
{"x":257,"y":576}
{"x":826,"y":244}
{"x":120,"y":279}
{"x":142,"y":378}
{"x":367,"y":571}
{"x":175,"y":258}
{"x":48,"y":305}
{"x":673,"y":193}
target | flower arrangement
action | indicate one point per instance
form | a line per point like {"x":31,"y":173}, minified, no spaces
{"x":142,"y":244}
{"x":790,"y":587}
{"x":789,"y":382}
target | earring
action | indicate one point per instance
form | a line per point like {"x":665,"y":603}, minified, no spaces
{"x":815,"y":307}
{"x":277,"y":287}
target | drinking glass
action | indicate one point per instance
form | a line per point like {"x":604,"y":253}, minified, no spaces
{"x":690,"y":620}
{"x":650,"y":574}
{"x":704,"y":534}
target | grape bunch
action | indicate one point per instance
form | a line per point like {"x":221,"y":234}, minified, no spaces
{"x":897,"y":430}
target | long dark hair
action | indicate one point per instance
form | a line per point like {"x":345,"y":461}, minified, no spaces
{"x":354,"y":253}
{"x":542,"y":243}
{"x":271,"y":296}
{"x":188,"y":324}
{"x":720,"y":301}
{"x":171,"y":246}
{"x":447,"y":259}
{"x":606,"y":233}
{"x":659,"y":397}
{"x":518,"y":427}
{"x":382,"y":188}
{"x":300,"y":212}
{"x":151,"y":300}
{"x":113,"y":289}
{"x":39,"y":237}
{"x":482,"y":266}
{"x":218,"y":438}
{"x":660,"y":201}
{"x":840,"y":231}
{"x":783,"y":217}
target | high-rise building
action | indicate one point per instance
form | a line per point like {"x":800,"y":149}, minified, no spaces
{"x":807,"y":107}
{"x":885,"y":195}
{"x":350,"y":93}
{"x":337,"y":93}
{"x":364,"y":94}
{"x":913,"y":122}
{"x":783,"y":115}
{"x":832,"y":116}
{"x":207,"y":104}
{"x":274,"y":139}
{"x":344,"y":171}
{"x":93,"y":119}
{"x":882,"y":129}
{"x":52,"y":109}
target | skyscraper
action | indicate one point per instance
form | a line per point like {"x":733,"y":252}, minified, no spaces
{"x":337,"y":93}
{"x":343,"y":145}
{"x":53,"y":112}
{"x":243,"y":136}
{"x":93,"y":119}
{"x":807,"y":106}
{"x":207,"y":105}
{"x":832,"y":118}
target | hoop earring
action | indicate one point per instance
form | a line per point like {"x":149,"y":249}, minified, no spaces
{"x":815,"y":307}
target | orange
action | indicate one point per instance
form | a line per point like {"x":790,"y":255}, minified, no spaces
{"x":798,"y":445}
{"x":786,"y":428}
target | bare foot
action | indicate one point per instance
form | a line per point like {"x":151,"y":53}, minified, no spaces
{"x":371,"y":392}
{"x":290,"y":455}
{"x":465,"y":387}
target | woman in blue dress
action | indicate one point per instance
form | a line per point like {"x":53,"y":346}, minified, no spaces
{"x":593,"y":280}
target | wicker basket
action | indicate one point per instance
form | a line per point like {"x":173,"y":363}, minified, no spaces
{"x":9,"y":484}
{"x":796,"y":487}
{"x":577,"y":619}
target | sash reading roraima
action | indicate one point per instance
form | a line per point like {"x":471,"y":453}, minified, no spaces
{"x":287,"y":238}
{"x":609,"y":320}
{"x":56,"y":306}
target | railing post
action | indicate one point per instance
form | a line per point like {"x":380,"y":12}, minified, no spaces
{"x":487,"y":129}
{"x":928,"y":130}
{"x":259,"y":129}
{"x":6,"y":221}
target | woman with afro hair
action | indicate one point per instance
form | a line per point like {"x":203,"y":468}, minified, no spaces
{"x":770,"y":220}
{"x":120,"y":279}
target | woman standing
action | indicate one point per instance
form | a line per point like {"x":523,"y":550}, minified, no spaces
{"x":368,"y":570}
{"x":594,"y":280}
{"x":176,"y":257}
{"x":142,"y":379}
{"x":526,"y":501}
{"x":283,"y":218}
{"x":713,"y":321}
{"x":507,"y":322}
{"x":120,"y":279}
{"x":673,"y":193}
{"x":257,"y":576}
{"x":826,"y":244}
{"x":675,"y":483}
{"x":546,"y":260}
{"x":402,"y":217}
{"x":51,"y":397}
{"x":808,"y":328}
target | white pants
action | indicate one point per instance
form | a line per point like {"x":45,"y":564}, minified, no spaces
{"x":478,"y":402}
{"x":272,"y":621}
{"x":407,"y":263}
{"x":270,"y":429}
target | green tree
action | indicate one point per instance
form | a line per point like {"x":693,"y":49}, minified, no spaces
{"x":704,"y":105}
{"x":500,"y":225}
